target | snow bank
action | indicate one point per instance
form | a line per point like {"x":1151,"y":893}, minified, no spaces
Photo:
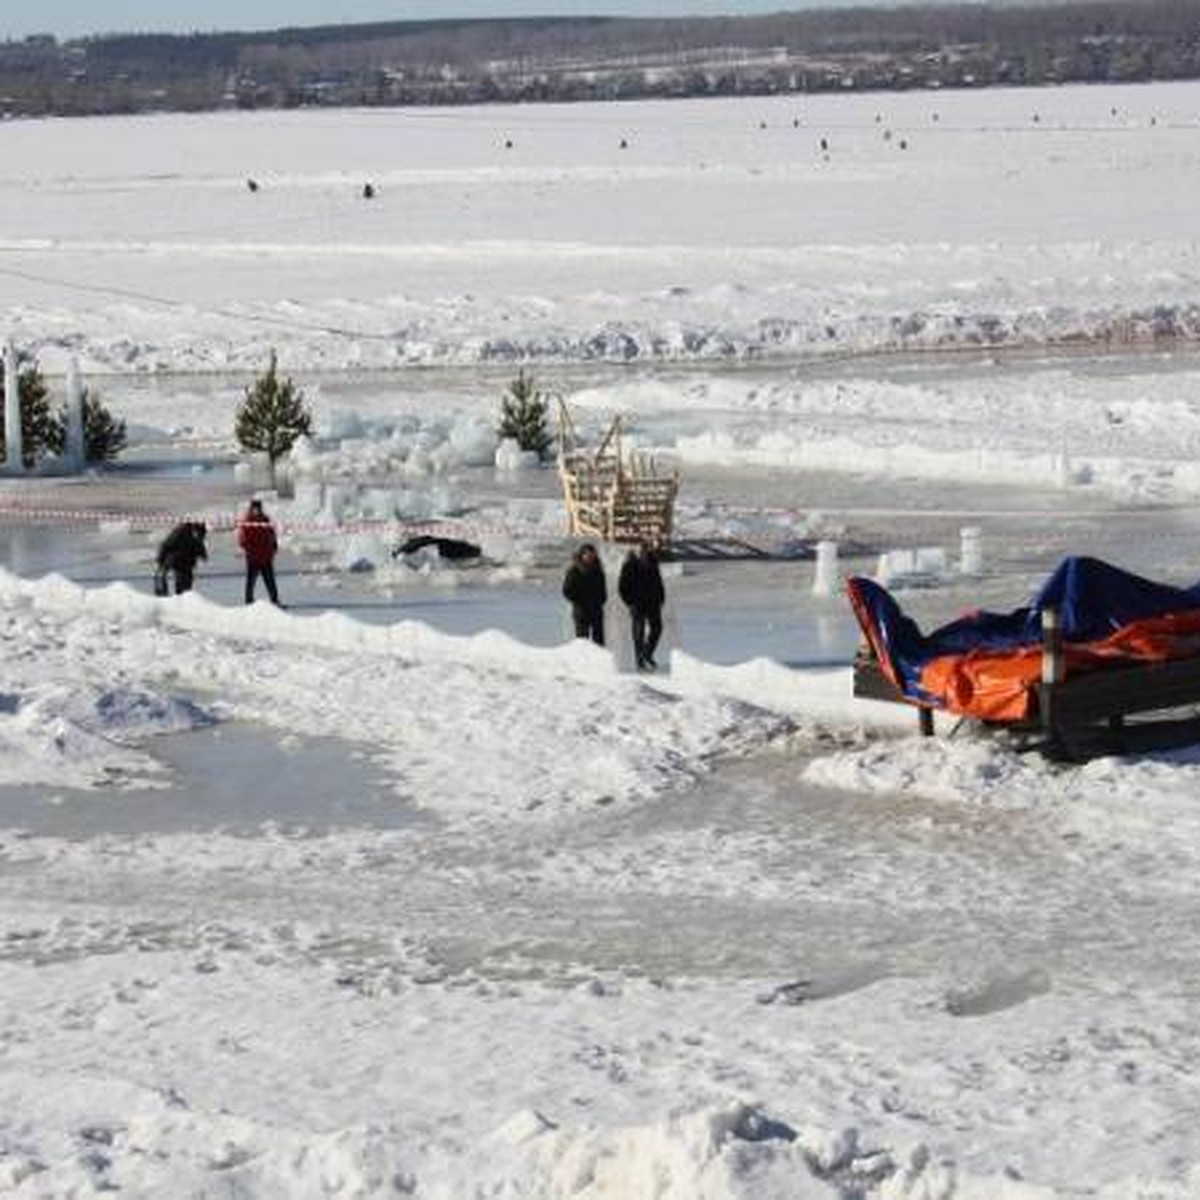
{"x":146,"y":1142}
{"x":737,"y":1152}
{"x":903,"y":460}
{"x":980,"y":771}
{"x":968,"y":771}
{"x":817,"y":693}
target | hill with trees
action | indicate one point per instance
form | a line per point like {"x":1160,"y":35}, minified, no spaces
{"x":605,"y":58}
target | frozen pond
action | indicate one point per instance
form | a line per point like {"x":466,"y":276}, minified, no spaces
{"x":721,"y":612}
{"x":724,"y":612}
{"x":449,"y":383}
{"x":774,"y":619}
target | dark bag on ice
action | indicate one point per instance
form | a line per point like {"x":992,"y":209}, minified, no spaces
{"x":446,"y":547}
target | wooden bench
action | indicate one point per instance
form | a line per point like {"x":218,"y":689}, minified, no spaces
{"x":1085,"y":714}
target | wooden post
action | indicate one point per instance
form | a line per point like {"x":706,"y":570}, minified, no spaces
{"x":1054,"y":669}
{"x":825,"y":575}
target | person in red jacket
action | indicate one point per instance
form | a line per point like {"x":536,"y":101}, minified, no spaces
{"x":256,"y":539}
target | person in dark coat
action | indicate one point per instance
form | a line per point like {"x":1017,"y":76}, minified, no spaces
{"x":256,"y":539}
{"x":586,"y":590}
{"x":178,"y":555}
{"x":641,"y":588}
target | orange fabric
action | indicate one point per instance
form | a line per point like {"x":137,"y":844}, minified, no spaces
{"x":987,"y":685}
{"x":1001,"y":686}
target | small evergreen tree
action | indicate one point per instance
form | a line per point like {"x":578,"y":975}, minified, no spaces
{"x":104,"y":435}
{"x":272,"y":416}
{"x":523,"y":415}
{"x":41,"y":433}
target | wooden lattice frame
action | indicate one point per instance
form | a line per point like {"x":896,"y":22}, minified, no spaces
{"x":610,"y":494}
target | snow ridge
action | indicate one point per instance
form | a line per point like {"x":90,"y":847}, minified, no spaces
{"x":318,"y":337}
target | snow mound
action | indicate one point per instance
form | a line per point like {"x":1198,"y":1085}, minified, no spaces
{"x":985,"y":771}
{"x":114,"y":1136}
{"x":977,"y":772}
{"x":86,"y":736}
{"x":510,"y":457}
{"x":733,"y":1152}
{"x":706,"y":1155}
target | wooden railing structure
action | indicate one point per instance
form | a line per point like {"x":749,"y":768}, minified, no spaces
{"x":610,"y":493}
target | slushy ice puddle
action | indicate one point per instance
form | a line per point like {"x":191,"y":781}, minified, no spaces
{"x":748,"y":872}
{"x":751,"y":873}
{"x":754,"y":873}
{"x":233,"y":776}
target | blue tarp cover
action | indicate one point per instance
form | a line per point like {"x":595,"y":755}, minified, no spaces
{"x":1095,"y":600}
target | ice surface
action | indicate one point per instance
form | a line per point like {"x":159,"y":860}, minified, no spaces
{"x":987,"y":229}
{"x":717,"y":933}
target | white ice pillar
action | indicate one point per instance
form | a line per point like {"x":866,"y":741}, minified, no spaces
{"x":970,"y":561}
{"x":1063,"y":467}
{"x":13,"y":461}
{"x":75,"y":447}
{"x":825,"y":580}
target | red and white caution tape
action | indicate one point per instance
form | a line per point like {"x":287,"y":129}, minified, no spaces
{"x":227,"y":522}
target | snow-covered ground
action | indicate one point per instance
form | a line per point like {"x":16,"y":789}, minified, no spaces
{"x":721,"y":230}
{"x":312,"y":904}
{"x":596,"y":961}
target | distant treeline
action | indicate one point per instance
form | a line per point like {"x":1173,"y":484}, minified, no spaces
{"x":571,"y":58}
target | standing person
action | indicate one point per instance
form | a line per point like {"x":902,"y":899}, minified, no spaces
{"x":641,"y":588}
{"x":181,"y":549}
{"x":587,"y":591}
{"x":256,"y":539}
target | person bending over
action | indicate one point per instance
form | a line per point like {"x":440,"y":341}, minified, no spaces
{"x":181,"y":549}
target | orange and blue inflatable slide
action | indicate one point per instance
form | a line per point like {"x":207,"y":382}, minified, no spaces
{"x":987,"y":665}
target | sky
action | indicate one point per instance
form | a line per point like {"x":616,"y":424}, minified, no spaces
{"x":73,"y":18}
